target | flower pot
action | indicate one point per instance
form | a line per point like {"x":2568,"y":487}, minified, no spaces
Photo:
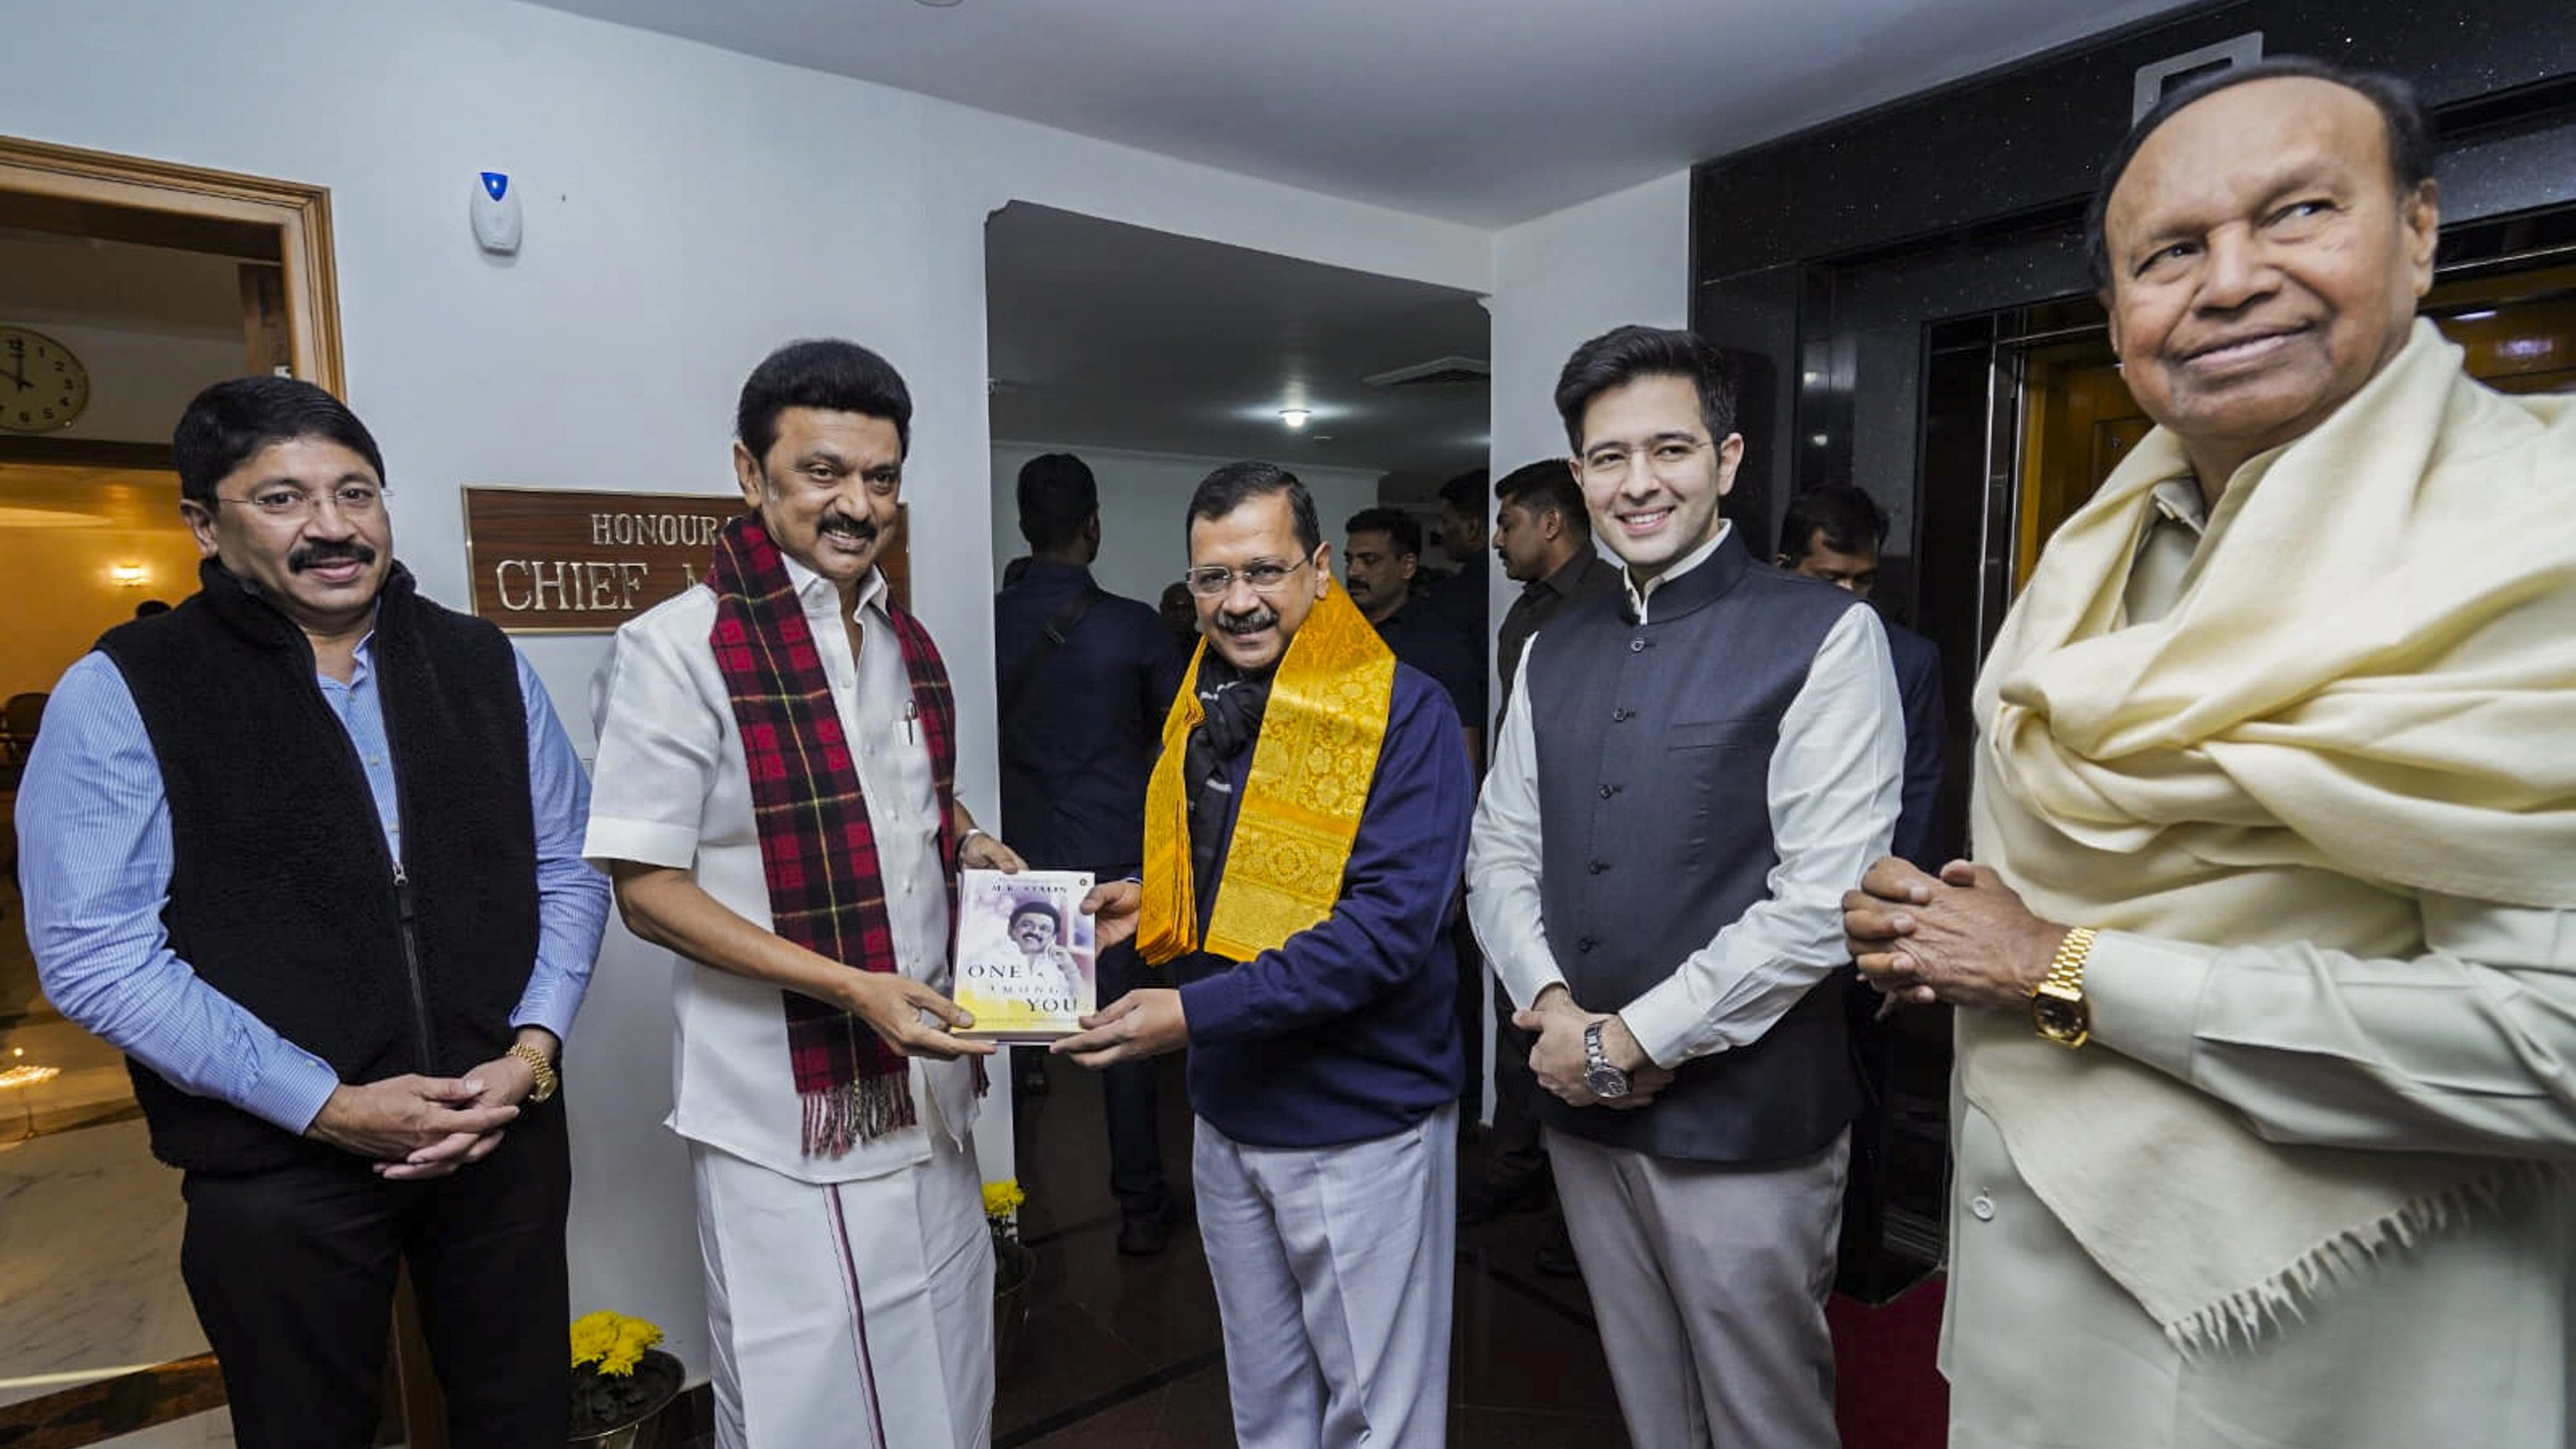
{"x":1014,"y":1265}
{"x":609,"y":1413}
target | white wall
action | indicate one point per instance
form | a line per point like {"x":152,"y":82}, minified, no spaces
{"x":1143,"y":498}
{"x":687,"y":209}
{"x":1572,"y":275}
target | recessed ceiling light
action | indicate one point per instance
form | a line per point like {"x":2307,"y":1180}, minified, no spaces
{"x":939,"y":4}
{"x":1294,"y":417}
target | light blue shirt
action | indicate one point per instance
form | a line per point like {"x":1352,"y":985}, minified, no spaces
{"x":95,"y":863}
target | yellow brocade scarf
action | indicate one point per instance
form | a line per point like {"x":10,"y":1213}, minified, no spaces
{"x":1311,"y":768}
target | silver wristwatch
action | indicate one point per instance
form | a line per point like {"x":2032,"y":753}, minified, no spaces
{"x":1599,"y":1077}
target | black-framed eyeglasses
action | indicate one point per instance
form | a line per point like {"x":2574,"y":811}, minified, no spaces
{"x":1266,"y":577}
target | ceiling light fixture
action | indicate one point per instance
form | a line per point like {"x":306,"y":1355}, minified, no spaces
{"x":939,"y":4}
{"x":1294,"y":417}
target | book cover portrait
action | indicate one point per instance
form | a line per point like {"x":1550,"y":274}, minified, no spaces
{"x":1025,"y":954}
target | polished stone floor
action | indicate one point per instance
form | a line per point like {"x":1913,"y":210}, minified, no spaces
{"x":1124,"y":1351}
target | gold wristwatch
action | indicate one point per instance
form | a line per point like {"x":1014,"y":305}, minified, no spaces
{"x":2058,"y":1007}
{"x":538,"y":1066}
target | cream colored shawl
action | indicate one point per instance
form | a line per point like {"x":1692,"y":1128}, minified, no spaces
{"x":2366,"y":689}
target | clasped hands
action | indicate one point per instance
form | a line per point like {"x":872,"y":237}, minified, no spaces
{"x":1557,"y":1060}
{"x":414,"y":1128}
{"x":1962,"y":937}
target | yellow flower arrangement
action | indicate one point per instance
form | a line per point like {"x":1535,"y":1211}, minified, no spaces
{"x":1002,"y":1199}
{"x":611,"y":1343}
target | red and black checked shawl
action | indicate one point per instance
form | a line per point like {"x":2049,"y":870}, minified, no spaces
{"x":817,"y":850}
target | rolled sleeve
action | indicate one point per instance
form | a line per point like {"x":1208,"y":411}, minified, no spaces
{"x":658,"y":748}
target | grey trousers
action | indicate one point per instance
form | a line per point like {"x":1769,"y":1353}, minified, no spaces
{"x":1709,"y":1284}
{"x":1333,"y":1273}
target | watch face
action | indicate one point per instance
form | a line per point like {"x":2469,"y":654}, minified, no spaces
{"x":1605,"y":1081}
{"x":42,"y":385}
{"x":2060,"y":1017}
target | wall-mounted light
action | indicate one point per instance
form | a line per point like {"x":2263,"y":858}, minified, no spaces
{"x":129,"y":576}
{"x":1294,"y":417}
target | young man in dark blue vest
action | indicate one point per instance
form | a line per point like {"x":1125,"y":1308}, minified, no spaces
{"x":308,"y":849}
{"x":1691,"y":770}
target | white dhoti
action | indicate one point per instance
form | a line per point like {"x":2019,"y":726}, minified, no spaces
{"x":1333,"y":1271}
{"x":855,"y":1313}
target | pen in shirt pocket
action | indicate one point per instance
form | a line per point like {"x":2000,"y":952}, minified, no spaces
{"x":911,"y":712}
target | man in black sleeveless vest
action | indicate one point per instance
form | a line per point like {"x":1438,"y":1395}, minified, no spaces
{"x":307,"y":848}
{"x":1691,"y":771}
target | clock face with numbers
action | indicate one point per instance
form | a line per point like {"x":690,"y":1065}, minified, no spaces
{"x":42,"y":385}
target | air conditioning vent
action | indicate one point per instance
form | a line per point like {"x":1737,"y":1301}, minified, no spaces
{"x":1438,"y":372}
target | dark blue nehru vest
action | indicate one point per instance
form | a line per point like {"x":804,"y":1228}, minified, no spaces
{"x":1654,"y":754}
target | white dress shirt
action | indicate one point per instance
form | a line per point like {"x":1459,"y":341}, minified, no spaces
{"x":671,"y":788}
{"x":1835,"y":780}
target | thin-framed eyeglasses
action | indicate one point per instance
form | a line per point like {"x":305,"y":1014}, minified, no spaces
{"x":1665,"y":457}
{"x":1265,"y":576}
{"x":354,"y":500}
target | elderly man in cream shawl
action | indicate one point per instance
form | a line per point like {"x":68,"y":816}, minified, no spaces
{"x":2266,"y":1103}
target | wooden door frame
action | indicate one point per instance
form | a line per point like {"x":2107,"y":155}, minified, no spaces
{"x":299,"y":214}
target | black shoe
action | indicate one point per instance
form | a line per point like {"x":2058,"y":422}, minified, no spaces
{"x":1483,"y":1202}
{"x":1555,"y":1256}
{"x":1142,"y":1235}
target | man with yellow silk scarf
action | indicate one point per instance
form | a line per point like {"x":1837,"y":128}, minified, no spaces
{"x":2267,"y":966}
{"x":1304,"y":828}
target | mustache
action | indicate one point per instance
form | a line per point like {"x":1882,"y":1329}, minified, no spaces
{"x":1250,"y":621}
{"x":842,"y":523}
{"x":329,"y":551}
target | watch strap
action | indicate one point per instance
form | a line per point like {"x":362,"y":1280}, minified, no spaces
{"x":544,"y":1071}
{"x":2066,"y":969}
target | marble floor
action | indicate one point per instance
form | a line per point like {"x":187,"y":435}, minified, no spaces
{"x":89,"y":1224}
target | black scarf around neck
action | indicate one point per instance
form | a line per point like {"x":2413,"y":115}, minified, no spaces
{"x":1233,"y":703}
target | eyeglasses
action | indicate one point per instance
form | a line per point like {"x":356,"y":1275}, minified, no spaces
{"x":354,"y":500}
{"x":1216,"y":580}
{"x":1609,"y":463}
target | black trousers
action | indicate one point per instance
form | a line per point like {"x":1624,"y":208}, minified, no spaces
{"x":1127,"y":1096}
{"x":292,"y":1274}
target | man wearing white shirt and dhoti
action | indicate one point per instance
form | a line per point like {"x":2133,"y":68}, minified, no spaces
{"x":1691,"y":770}
{"x":778,"y":747}
{"x":2266,"y":967}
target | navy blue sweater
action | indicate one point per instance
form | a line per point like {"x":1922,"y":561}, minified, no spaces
{"x":1349,"y":1030}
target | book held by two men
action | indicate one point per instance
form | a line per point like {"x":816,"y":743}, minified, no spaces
{"x":1025,"y":955}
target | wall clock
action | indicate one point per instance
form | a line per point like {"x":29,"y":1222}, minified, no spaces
{"x":42,"y":385}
